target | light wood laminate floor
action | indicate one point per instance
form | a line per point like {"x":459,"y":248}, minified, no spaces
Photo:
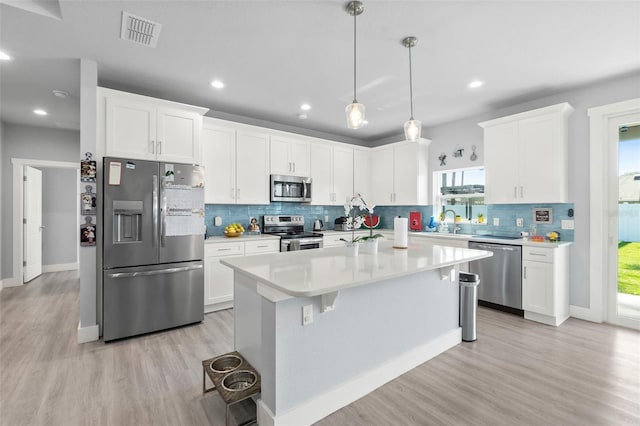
{"x":518,"y":372}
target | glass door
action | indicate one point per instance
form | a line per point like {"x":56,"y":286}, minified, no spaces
{"x":624,"y":306}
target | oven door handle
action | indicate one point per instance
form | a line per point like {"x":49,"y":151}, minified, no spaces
{"x":309,"y":240}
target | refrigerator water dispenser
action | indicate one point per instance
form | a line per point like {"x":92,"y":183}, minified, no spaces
{"x":127,"y":221}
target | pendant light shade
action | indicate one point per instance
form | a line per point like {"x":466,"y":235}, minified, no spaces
{"x":412,"y":128}
{"x":355,"y":110}
{"x":355,"y":115}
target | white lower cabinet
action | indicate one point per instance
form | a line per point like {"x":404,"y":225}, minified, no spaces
{"x":218,"y":278}
{"x":545,"y":284}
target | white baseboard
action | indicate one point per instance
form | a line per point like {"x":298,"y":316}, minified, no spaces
{"x":344,"y":394}
{"x":586,"y":314}
{"x":60,"y":267}
{"x":9,"y":282}
{"x":88,"y":334}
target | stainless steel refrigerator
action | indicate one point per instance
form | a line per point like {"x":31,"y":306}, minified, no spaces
{"x":153,"y":246}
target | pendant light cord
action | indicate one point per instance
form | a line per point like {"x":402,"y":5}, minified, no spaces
{"x":354,"y":56}
{"x":410,"y":84}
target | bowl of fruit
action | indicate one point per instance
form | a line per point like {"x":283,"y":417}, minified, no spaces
{"x":233,"y":230}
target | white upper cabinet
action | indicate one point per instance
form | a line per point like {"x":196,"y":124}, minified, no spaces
{"x":526,"y":157}
{"x":236,"y":161}
{"x":290,"y":157}
{"x":362,"y":173}
{"x":399,"y":174}
{"x":219,"y":161}
{"x":331,"y":174}
{"x":151,"y":129}
{"x":252,"y":167}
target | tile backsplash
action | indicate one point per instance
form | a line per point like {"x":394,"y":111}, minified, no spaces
{"x":506,"y":214}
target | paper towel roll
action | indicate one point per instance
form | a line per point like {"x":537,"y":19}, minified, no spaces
{"x":400,"y":232}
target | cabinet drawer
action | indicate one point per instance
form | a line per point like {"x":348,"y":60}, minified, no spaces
{"x":262,"y":246}
{"x":224,"y":249}
{"x":537,"y":254}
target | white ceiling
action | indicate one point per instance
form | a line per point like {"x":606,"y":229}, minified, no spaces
{"x":275,"y":55}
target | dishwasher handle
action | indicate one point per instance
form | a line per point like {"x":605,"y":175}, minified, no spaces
{"x":495,"y":247}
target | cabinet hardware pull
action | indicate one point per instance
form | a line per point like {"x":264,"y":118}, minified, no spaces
{"x":263,"y":246}
{"x":538,"y":254}
{"x":224,"y":249}
{"x":233,"y":193}
{"x":294,"y":167}
{"x":152,"y":146}
{"x":525,"y":272}
{"x":159,"y":147}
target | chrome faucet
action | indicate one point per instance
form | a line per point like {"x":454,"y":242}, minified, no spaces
{"x":444,"y":217}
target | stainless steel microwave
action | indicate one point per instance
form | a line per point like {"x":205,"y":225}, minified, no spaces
{"x":291,"y":188}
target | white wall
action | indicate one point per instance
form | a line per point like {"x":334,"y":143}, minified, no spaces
{"x":466,"y":132}
{"x":59,"y":216}
{"x":32,"y":143}
{"x":1,"y":212}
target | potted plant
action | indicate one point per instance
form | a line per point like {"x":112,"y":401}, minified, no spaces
{"x":353,"y":222}
{"x":480,"y":218}
{"x":369,"y":242}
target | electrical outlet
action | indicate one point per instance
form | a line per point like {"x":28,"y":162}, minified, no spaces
{"x":519,"y":221}
{"x":567,"y":224}
{"x":496,"y":221}
{"x":326,"y":219}
{"x":307,"y":314}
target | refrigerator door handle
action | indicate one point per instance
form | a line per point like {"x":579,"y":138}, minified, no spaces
{"x":163,"y":217}
{"x":155,"y":210}
{"x":155,"y":272}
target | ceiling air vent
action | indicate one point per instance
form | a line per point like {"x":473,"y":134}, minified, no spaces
{"x":139,"y":30}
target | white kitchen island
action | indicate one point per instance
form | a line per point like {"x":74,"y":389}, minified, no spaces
{"x":374,"y":317}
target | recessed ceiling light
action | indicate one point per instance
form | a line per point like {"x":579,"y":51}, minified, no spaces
{"x":475,"y":84}
{"x":217,"y":84}
{"x":39,"y":111}
{"x":60,"y":94}
{"x":4,"y":56}
{"x":302,"y":116}
{"x":305,"y":107}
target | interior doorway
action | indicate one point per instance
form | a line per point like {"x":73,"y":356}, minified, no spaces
{"x":19,"y":166}
{"x":32,"y":223}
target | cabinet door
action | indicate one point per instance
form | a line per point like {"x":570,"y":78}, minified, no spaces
{"x":321,"y":179}
{"x":537,"y":287}
{"x":130,"y":129}
{"x":342,"y":175}
{"x":405,"y":174}
{"x":501,"y":162}
{"x":219,"y":160}
{"x":252,"y":168}
{"x":300,"y":156}
{"x":543,"y":161}
{"x":219,"y":282}
{"x":279,"y":157}
{"x":362,"y":174}
{"x":178,"y":135}
{"x":382,"y":176}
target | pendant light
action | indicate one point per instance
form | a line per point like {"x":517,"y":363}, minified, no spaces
{"x":355,"y":110}
{"x":412,"y":127}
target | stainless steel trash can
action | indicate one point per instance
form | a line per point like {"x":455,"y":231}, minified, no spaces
{"x":468,"y":304}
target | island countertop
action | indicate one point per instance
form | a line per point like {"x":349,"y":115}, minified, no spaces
{"x":309,"y":273}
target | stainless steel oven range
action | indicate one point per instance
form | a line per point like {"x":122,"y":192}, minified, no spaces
{"x":291,"y":231}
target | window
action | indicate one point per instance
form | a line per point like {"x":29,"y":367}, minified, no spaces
{"x":462,"y":191}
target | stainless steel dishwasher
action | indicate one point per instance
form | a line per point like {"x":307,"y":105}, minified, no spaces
{"x":500,"y":276}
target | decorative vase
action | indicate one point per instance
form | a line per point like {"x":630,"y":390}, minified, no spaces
{"x":370,"y":246}
{"x":352,"y":249}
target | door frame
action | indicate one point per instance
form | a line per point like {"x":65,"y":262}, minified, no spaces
{"x":18,"y":209}
{"x":602,"y":120}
